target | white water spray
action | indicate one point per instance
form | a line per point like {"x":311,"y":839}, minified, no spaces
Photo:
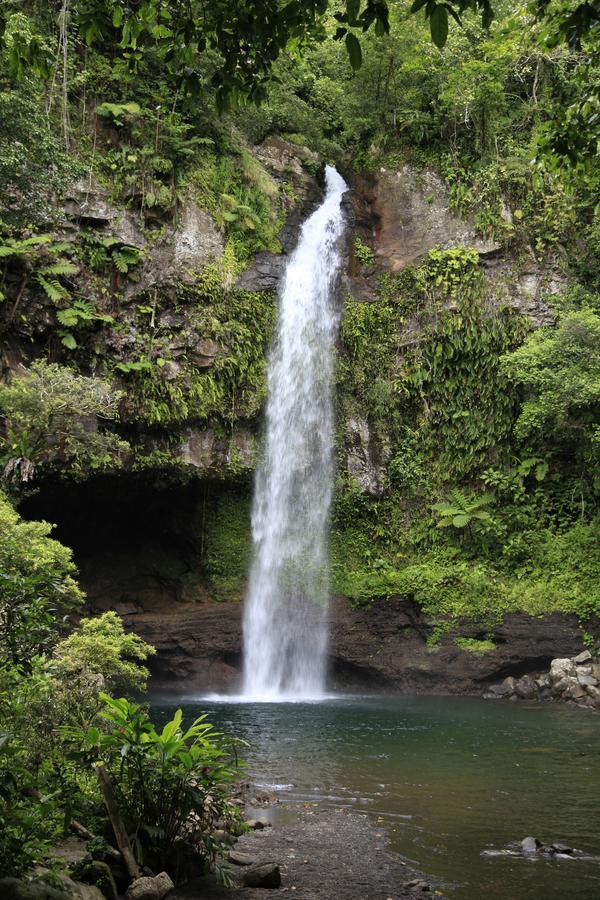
{"x":286,"y":611}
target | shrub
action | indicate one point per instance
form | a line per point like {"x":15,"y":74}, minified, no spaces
{"x":37,"y":587}
{"x":51,"y":416}
{"x":101,"y":646}
{"x":169,"y":784}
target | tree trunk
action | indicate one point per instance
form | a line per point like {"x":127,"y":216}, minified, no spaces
{"x":117,"y":822}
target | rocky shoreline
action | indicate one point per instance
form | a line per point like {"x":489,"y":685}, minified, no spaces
{"x":574,"y":680}
{"x":315,"y":852}
{"x":381,"y":647}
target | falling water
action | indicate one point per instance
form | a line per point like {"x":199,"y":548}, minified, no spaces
{"x":285,"y":616}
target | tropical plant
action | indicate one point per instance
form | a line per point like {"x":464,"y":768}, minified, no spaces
{"x":51,"y":414}
{"x":100,"y":646}
{"x":45,"y":265}
{"x":169,"y":783}
{"x":37,"y":587}
{"x":460,"y":511}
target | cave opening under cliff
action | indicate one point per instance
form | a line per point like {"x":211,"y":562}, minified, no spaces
{"x":143,"y":544}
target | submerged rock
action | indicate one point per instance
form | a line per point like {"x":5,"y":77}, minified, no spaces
{"x":530,"y":845}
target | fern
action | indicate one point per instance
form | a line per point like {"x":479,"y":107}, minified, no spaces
{"x":52,"y":288}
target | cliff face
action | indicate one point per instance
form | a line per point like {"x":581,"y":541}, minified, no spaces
{"x":185,"y":335}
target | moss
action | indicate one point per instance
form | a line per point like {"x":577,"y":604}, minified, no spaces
{"x":473,"y":645}
{"x":228,"y":545}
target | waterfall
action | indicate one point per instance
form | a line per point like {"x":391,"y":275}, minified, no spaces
{"x":286,"y":609}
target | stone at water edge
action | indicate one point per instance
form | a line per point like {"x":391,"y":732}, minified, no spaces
{"x":530,"y":845}
{"x":266,"y":875}
{"x":417,"y":884}
{"x":258,"y":824}
{"x":582,"y":658}
{"x":587,"y":680}
{"x":526,"y":688}
{"x":561,"y":668}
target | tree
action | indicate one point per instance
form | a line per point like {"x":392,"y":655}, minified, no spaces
{"x":559,"y":369}
{"x":37,"y":587}
{"x":52,"y":415}
{"x":100,"y":646}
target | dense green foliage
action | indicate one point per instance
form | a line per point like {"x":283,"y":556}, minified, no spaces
{"x":50,"y":416}
{"x":37,"y":587}
{"x":55,"y":722}
{"x":479,"y":427}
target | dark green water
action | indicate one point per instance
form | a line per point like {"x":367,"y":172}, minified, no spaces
{"x":447,"y":778}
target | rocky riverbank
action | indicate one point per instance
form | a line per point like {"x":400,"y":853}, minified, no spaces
{"x":574,"y":680}
{"x":315,"y":852}
{"x":382,"y":647}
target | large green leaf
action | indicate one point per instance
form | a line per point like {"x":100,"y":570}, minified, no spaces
{"x":354,"y":51}
{"x":461,"y":520}
{"x":438,"y":24}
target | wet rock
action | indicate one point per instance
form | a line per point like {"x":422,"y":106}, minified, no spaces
{"x":574,"y":691}
{"x":258,"y":824}
{"x":563,"y":849}
{"x":530,"y":845}
{"x":240,"y":859}
{"x":417,"y":885}
{"x":266,"y":875}
{"x":365,"y":457}
{"x":543,"y":682}
{"x":582,"y":658}
{"x":264,"y":273}
{"x":501,"y":690}
{"x":525,"y":688}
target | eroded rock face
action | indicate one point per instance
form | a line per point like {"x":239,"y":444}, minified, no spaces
{"x":380,"y":648}
{"x":405,"y":213}
{"x":413,"y":216}
{"x":179,"y":254}
{"x":365,"y":457}
{"x":204,"y":449}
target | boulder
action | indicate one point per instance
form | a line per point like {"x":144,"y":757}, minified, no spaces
{"x":587,"y":680}
{"x":561,"y":668}
{"x":15,"y":889}
{"x":543,"y":681}
{"x":163,"y":883}
{"x":530,"y":845}
{"x":583,"y":658}
{"x":510,"y":683}
{"x":574,"y":691}
{"x":266,"y":875}
{"x":525,"y":688}
{"x":240,"y":859}
{"x":144,"y":888}
{"x":501,"y":690}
